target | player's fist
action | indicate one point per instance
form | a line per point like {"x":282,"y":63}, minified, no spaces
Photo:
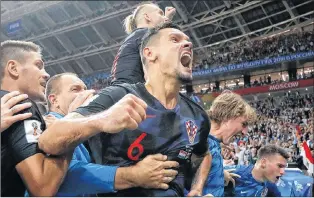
{"x":127,"y":113}
{"x":170,"y":12}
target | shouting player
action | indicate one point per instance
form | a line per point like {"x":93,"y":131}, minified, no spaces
{"x":163,"y":120}
{"x":65,"y":92}
{"x":229,"y":115}
{"x":259,"y":180}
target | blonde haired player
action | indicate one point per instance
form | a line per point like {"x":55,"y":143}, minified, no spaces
{"x":229,"y":115}
{"x":127,"y":66}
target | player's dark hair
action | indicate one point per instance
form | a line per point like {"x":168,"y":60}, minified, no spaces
{"x":52,"y":86}
{"x":152,"y":34}
{"x":15,"y":50}
{"x":271,"y":149}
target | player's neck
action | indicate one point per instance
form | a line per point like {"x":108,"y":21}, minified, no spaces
{"x":57,"y":110}
{"x":215,"y":131}
{"x":166,"y":91}
{"x":144,"y":25}
{"x":9,"y":85}
{"x":257,"y":175}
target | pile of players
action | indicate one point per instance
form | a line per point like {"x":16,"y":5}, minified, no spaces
{"x":137,"y":137}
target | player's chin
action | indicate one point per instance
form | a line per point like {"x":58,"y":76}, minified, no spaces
{"x":40,"y":96}
{"x":277,"y":178}
{"x":227,"y":140}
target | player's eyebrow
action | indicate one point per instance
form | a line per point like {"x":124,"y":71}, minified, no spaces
{"x":180,"y":35}
{"x":281,"y":165}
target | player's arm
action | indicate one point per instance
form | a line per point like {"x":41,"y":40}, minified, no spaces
{"x":202,"y":164}
{"x":88,"y":178}
{"x":127,"y":65}
{"x":65,"y":134}
{"x":201,"y":160}
{"x":43,"y":175}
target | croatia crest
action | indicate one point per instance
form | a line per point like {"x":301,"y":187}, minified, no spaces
{"x":191,"y":129}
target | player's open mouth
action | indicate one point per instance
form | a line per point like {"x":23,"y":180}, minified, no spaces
{"x":186,"y":59}
{"x":278,"y":177}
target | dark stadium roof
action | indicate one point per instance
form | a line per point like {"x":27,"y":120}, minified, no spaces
{"x":83,"y":36}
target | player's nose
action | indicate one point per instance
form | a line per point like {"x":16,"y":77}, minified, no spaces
{"x":282,"y":171}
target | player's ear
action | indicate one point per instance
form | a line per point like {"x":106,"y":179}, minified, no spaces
{"x":52,"y":99}
{"x":263,"y":163}
{"x":12,"y":68}
{"x":147,"y":17}
{"x":150,"y":54}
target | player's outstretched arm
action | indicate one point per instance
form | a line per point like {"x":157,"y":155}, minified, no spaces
{"x":201,"y":174}
{"x":65,"y":134}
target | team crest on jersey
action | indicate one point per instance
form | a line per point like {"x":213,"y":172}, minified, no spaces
{"x":264,"y":192}
{"x":191,"y":129}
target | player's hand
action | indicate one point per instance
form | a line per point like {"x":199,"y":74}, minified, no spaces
{"x":170,"y":12}
{"x":127,"y":113}
{"x":10,"y":106}
{"x":195,"y":193}
{"x":229,"y":177}
{"x":154,"y":171}
{"x":228,"y":162}
{"x":49,"y":119}
{"x":82,"y":98}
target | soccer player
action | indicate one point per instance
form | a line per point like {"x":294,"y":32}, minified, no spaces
{"x":23,"y":165}
{"x":229,"y":115}
{"x":64,"y":93}
{"x":171,"y":124}
{"x":10,"y":107}
{"x":22,"y":70}
{"x":127,"y":66}
{"x":259,"y":180}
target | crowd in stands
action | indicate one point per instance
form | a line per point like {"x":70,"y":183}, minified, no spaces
{"x":96,"y":81}
{"x":265,"y":80}
{"x":278,"y":45}
{"x":286,"y":121}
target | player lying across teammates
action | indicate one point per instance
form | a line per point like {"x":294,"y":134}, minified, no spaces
{"x":128,"y":128}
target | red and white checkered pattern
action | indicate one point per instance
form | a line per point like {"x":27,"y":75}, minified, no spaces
{"x":191,"y":129}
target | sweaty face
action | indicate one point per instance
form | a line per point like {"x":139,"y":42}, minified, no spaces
{"x":175,"y":54}
{"x":274,"y":167}
{"x":33,"y":77}
{"x":232,"y":128}
{"x":69,"y":87}
{"x":155,"y":15}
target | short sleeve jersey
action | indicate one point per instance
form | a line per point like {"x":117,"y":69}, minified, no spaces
{"x":19,"y":142}
{"x":176,"y":133}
